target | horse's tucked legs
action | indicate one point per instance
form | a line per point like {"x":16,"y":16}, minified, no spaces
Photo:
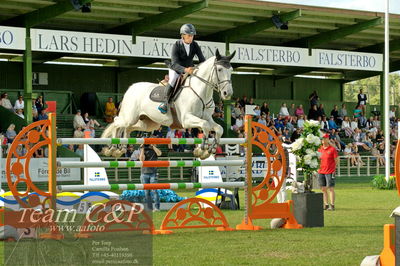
{"x":191,"y":121}
{"x":218,"y":134}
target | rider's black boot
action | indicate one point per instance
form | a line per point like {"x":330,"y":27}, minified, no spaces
{"x":163,"y":107}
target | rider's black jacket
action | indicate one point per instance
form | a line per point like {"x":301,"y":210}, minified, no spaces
{"x":180,"y":60}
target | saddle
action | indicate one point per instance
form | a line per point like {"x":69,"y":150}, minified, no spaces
{"x":158,"y":94}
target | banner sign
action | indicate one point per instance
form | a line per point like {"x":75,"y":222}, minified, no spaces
{"x":274,"y":55}
{"x":12,"y":38}
{"x":110,"y":44}
{"x":150,"y":47}
{"x":39,"y":170}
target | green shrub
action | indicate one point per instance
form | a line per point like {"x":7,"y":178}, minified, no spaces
{"x":379,"y":182}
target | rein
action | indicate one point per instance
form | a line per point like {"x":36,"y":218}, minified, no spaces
{"x":215,"y":86}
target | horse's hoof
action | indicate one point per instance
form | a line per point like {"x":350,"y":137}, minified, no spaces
{"x":204,"y":155}
{"x":196,"y":152}
{"x":104,"y":150}
{"x":108,"y":152}
{"x":213,"y":151}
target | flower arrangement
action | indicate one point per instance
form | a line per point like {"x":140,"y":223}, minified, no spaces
{"x":306,"y":150}
{"x":379,"y":182}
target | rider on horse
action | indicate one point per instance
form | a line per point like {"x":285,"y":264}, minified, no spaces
{"x":183,"y":52}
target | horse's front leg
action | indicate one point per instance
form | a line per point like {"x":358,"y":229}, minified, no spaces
{"x":191,"y":121}
{"x":218,"y":134}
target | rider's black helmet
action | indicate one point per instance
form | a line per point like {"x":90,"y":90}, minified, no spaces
{"x":188,"y":29}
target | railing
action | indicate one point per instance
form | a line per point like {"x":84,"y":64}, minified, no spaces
{"x":370,"y":168}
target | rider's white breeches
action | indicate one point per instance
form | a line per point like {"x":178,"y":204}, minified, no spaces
{"x":173,"y":76}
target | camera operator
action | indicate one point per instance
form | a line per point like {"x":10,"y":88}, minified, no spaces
{"x":148,"y":175}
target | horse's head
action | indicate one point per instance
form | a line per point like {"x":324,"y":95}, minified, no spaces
{"x":223,"y":71}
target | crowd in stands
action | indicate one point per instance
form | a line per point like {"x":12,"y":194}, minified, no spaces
{"x":350,"y":131}
{"x":38,"y":106}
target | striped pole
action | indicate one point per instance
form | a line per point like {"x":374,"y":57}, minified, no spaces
{"x":154,"y":186}
{"x":109,"y":141}
{"x":139,"y":164}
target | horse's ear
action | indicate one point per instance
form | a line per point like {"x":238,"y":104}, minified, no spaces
{"x":231,"y":55}
{"x":217,"y":55}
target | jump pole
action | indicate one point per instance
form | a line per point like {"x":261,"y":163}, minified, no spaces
{"x":140,"y":164}
{"x":125,"y":141}
{"x":154,"y":186}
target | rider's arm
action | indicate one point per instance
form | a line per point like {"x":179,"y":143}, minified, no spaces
{"x":157,"y":150}
{"x":175,"y":59}
{"x":198,"y":52}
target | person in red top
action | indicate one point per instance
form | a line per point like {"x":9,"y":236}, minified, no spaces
{"x":329,"y":159}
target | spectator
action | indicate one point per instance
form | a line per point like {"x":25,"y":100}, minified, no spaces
{"x":358,"y":114}
{"x":321,"y":110}
{"x":292,"y":110}
{"x":313,"y":98}
{"x":284,"y":111}
{"x":129,"y":151}
{"x":335,"y":112}
{"x":39,"y":153}
{"x":332,"y":123}
{"x":380,"y":136}
{"x":380,"y":160}
{"x":329,"y":160}
{"x":135,"y":156}
{"x":10,"y":133}
{"x":257,"y":111}
{"x":79,"y":150}
{"x":299,"y":110}
{"x":377,"y":122}
{"x":296,"y":134}
{"x":78,"y":120}
{"x":78,"y":133}
{"x":35,"y":113}
{"x":5,"y":102}
{"x":324,"y":124}
{"x":300,"y":122}
{"x":39,"y":104}
{"x":251,"y":102}
{"x":20,"y":113}
{"x":262,"y":120}
{"x":110,"y":111}
{"x":244,"y":101}
{"x":286,"y":136}
{"x":19,"y":103}
{"x":358,"y":138}
{"x":348,"y":152}
{"x":392,"y":114}
{"x":336,"y":138}
{"x":91,"y":123}
{"x":356,"y":155}
{"x":342,"y":114}
{"x":239,"y":124}
{"x":237,"y":111}
{"x":170,"y":134}
{"x":158,"y":133}
{"x":354,"y":124}
{"x":265,"y":108}
{"x":149,"y":174}
{"x":21,"y":150}
{"x":43,"y":115}
{"x":347,"y":127}
{"x":362,"y":101}
{"x":313,"y":113}
{"x":179,"y":134}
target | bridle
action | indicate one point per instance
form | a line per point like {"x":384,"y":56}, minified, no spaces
{"x":215,"y":86}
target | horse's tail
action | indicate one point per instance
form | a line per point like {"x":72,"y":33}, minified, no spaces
{"x":108,"y":132}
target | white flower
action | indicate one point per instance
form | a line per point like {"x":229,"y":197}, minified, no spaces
{"x":318,"y":154}
{"x":307,"y":159}
{"x":317,"y":141}
{"x":313,"y":123}
{"x":310,"y":138}
{"x":314,"y":163}
{"x":298,"y":144}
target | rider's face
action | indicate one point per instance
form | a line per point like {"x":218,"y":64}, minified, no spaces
{"x":187,"y":38}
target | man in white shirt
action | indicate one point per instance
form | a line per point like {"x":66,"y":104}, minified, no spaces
{"x":19,"y":104}
{"x":392,"y":113}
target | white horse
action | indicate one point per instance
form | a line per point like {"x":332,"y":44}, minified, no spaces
{"x":194,"y":105}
